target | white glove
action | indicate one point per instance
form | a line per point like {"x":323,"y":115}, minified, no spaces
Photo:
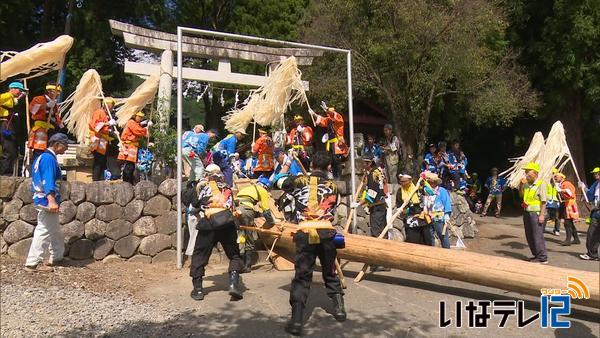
{"x":112,"y":122}
{"x":149,"y":124}
{"x":582,"y":185}
{"x":557,"y":187}
{"x":300,"y":129}
{"x":325,"y":138}
{"x":354,"y":205}
{"x":291,"y":152}
{"x":252,"y":145}
{"x":446,"y":218}
{"x":51,"y":104}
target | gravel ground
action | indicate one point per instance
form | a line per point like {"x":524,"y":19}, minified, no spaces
{"x":60,"y":311}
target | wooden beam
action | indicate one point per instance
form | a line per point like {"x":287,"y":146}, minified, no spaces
{"x":202,"y":75}
{"x":497,"y":272}
{"x":143,"y":38}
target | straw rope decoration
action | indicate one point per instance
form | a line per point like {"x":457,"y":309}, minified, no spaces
{"x":269,"y":102}
{"x":555,"y":152}
{"x":35,"y":61}
{"x":515,"y":173}
{"x":142,"y":95}
{"x":81,"y":104}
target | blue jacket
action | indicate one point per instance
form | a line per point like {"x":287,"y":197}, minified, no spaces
{"x":196,"y":142}
{"x":499,"y":188}
{"x":459,"y":162}
{"x":46,"y":178}
{"x":429,"y":163}
{"x":374,"y":150}
{"x":591,"y":191}
{"x":227,"y":144}
{"x":439,"y":203}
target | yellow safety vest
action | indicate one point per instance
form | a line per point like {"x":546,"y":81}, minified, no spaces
{"x":532,"y":202}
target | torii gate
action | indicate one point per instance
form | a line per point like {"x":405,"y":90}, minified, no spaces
{"x":165,"y":43}
{"x":147,"y":39}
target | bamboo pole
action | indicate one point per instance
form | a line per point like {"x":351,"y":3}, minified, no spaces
{"x":497,"y":272}
{"x":361,"y":274}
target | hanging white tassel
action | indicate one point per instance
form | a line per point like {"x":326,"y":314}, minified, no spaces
{"x":248,"y":98}
{"x":237,"y":98}
{"x":210,"y":94}
{"x":203,"y":92}
{"x":221,"y":99}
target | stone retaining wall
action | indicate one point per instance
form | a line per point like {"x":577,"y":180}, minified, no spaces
{"x":100,"y":220}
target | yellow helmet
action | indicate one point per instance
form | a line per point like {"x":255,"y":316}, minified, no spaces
{"x":140,"y":113}
{"x":532,"y":166}
{"x":298,"y":117}
{"x":54,"y":86}
{"x":596,"y":170}
{"x":554,"y":170}
{"x":109,"y":100}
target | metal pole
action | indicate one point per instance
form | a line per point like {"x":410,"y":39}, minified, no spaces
{"x":351,"y":122}
{"x":179,"y":132}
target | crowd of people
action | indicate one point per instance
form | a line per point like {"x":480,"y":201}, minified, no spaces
{"x":107,"y":143}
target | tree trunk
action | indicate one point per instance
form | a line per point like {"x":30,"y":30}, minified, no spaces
{"x":571,"y":120}
{"x":498,"y":272}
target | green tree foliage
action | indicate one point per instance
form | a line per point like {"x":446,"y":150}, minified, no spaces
{"x":418,"y":57}
{"x":560,"y":46}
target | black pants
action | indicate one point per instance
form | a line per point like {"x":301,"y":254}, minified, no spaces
{"x":534,"y":233}
{"x":306,"y":255}
{"x":206,"y":240}
{"x":418,"y":235}
{"x":9,"y":150}
{"x":378,"y":219}
{"x":129,"y":172}
{"x":98,"y":166}
{"x":570,"y":231}
{"x":592,"y":241}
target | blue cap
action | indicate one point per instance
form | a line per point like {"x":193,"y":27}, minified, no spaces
{"x":264,"y":181}
{"x":17,"y":85}
{"x":58,"y":138}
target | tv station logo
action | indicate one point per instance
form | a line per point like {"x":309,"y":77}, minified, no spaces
{"x":554,"y":303}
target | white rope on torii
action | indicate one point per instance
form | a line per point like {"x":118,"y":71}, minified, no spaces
{"x":553,"y":153}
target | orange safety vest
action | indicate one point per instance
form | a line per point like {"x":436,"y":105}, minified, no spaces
{"x":569,"y":200}
{"x":130,"y":141}
{"x":99,"y":132}
{"x":336,"y":124}
{"x":301,"y":140}
{"x":263,"y":148}
{"x":38,"y":135}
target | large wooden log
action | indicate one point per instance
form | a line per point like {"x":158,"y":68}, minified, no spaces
{"x":498,"y":272}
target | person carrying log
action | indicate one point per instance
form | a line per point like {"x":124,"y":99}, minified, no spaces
{"x":46,"y":118}
{"x":592,"y":240}
{"x":134,"y":130}
{"x":568,"y":207}
{"x":100,"y":138}
{"x":8,"y":142}
{"x":416,"y":220}
{"x":316,"y":199}
{"x":374,"y":196}
{"x":334,"y":138}
{"x":438,"y":204}
{"x":263,"y":150}
{"x":533,"y":192}
{"x":247,"y":198}
{"x":300,"y":139}
{"x":216,"y":224}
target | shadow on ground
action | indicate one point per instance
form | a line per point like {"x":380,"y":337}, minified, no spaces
{"x":256,"y":324}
